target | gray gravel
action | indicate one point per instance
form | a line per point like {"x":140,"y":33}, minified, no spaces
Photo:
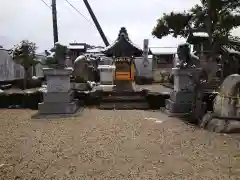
{"x":106,"y":145}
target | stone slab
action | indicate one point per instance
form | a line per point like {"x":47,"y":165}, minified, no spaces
{"x":58,"y":108}
{"x":58,"y":97}
{"x":57,"y":72}
{"x":174,"y":107}
{"x":182,"y":97}
{"x":57,"y":117}
{"x":58,"y":83}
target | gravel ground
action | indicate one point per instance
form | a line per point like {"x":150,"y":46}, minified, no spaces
{"x":113,"y":145}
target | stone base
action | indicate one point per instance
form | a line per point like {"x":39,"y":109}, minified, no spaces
{"x":58,"y":97}
{"x":218,"y":125}
{"x":58,"y":108}
{"x":175,"y":107}
{"x":171,"y":114}
{"x":182,"y":97}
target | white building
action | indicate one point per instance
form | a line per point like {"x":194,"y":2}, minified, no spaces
{"x":9,"y":70}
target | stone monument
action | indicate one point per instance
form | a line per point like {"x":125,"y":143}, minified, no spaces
{"x":225,"y":117}
{"x":227,"y":103}
{"x":182,"y":97}
{"x":58,"y":97}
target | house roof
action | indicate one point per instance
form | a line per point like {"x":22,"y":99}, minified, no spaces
{"x":230,"y":50}
{"x":76,"y":47}
{"x":196,"y":37}
{"x":200,"y":34}
{"x":123,"y":46}
{"x":95,"y":50}
{"x":163,"y":50}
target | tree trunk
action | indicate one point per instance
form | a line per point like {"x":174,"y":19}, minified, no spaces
{"x":209,"y":25}
{"x":25,"y":78}
{"x":33,"y":70}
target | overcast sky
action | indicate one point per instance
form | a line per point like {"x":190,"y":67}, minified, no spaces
{"x":31,"y":19}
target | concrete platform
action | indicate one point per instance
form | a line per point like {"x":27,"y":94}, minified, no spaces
{"x":58,"y":108}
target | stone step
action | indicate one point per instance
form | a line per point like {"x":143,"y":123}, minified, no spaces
{"x":124,"y":106}
{"x":124,"y":93}
{"x":123,"y":98}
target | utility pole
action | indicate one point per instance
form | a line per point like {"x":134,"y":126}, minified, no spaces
{"x":54,"y":19}
{"x":96,"y":22}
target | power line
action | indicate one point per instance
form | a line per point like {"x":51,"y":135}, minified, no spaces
{"x":80,"y":13}
{"x":46,"y":4}
{"x":74,"y":9}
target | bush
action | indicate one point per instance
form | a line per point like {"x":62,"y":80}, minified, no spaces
{"x":34,"y":83}
{"x":4,"y":101}
{"x":15,"y":99}
{"x":31,"y":83}
{"x":157,"y":100}
{"x":32,"y":98}
{"x":21,"y":99}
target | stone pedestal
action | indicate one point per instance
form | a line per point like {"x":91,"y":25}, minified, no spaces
{"x":182,"y":97}
{"x":58,"y":98}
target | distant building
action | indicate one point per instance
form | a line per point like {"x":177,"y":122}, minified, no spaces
{"x":231,"y":63}
{"x":95,"y":51}
{"x":162,"y":61}
{"x":163,"y":56}
{"x":200,"y":44}
{"x":9,"y":70}
{"x":76,"y":49}
{"x":201,"y":48}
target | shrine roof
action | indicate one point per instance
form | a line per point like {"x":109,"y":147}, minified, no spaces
{"x":123,"y":47}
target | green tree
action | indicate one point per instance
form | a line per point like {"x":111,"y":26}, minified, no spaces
{"x":25,"y":54}
{"x":216,"y":17}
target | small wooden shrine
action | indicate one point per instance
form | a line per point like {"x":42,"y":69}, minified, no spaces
{"x":123,"y":52}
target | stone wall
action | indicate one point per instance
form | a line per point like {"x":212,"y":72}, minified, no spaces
{"x":9,"y":70}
